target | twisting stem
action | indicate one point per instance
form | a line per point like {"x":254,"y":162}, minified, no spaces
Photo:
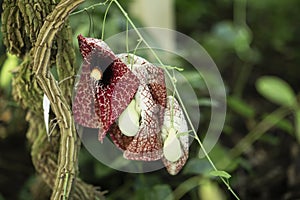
{"x":28,"y":92}
{"x":68,"y":152}
{"x":177,"y":94}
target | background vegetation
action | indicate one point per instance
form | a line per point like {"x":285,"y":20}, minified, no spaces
{"x":256,"y":47}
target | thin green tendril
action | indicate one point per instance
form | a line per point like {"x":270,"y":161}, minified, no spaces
{"x":90,"y":7}
{"x":104,"y":20}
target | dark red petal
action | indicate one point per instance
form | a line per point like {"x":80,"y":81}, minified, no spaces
{"x":157,"y":88}
{"x":89,"y":45}
{"x":121,"y":141}
{"x":83,"y":104}
{"x":147,"y":143}
{"x":114,"y":97}
{"x":98,"y":103}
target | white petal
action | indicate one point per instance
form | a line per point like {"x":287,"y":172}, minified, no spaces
{"x":129,"y":120}
{"x":172,"y":149}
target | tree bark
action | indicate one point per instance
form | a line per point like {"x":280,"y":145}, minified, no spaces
{"x":38,"y":33}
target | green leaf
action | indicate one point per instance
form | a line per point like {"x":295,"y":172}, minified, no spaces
{"x":242,"y":39}
{"x":209,"y":190}
{"x":276,"y":90}
{"x":241,"y":107}
{"x":207,"y":102}
{"x":283,"y":124}
{"x":220,"y":174}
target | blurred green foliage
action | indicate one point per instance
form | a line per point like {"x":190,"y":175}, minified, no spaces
{"x":276,"y":90}
{"x":10,"y":63}
{"x":256,"y":46}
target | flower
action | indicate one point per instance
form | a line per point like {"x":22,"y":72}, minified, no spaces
{"x":105,"y":88}
{"x":126,"y":96}
{"x":150,"y":100}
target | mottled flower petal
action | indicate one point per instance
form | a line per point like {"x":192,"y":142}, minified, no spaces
{"x":151,"y":96}
{"x":114,"y":93}
{"x":174,"y":119}
{"x":83,"y":104}
{"x":121,"y":141}
{"x":99,"y":102}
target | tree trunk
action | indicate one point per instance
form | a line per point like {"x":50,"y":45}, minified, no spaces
{"x":39,"y":34}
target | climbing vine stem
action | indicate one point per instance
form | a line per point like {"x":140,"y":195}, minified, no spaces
{"x":68,"y":151}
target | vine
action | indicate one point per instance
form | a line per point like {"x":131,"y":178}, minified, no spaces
{"x":38,"y":33}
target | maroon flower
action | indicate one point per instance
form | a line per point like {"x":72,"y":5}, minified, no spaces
{"x":105,"y":88}
{"x":151,"y":97}
{"x":113,"y":89}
